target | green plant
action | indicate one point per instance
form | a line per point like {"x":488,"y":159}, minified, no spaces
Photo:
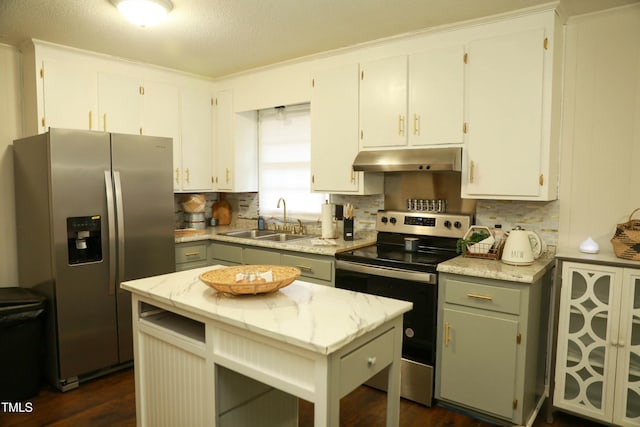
{"x":476,"y":236}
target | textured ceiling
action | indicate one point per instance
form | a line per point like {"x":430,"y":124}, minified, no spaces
{"x":219,"y":37}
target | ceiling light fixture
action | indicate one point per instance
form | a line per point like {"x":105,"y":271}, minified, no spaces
{"x":144,"y":13}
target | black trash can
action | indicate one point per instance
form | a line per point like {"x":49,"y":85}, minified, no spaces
{"x":21,"y":343}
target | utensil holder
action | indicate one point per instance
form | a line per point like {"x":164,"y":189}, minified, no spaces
{"x":348,"y":229}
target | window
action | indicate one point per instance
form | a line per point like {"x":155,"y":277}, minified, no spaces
{"x":284,"y":142}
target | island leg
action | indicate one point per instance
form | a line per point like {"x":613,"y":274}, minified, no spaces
{"x":393,"y":388}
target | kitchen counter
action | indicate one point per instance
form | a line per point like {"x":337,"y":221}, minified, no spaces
{"x":310,"y":341}
{"x":495,"y":269}
{"x":303,"y":245}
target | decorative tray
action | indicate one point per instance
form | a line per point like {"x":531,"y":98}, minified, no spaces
{"x":250,"y":279}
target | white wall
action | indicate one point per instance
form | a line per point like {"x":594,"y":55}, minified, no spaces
{"x":10,"y":127}
{"x":600,"y":155}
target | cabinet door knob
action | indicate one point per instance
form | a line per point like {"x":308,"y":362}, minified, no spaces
{"x":371,"y":361}
{"x":416,"y":124}
{"x":177,"y":175}
{"x":472,"y":169}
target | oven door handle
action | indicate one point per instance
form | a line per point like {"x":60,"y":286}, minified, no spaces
{"x":394,"y":273}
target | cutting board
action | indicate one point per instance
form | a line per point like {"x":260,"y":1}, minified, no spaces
{"x":222,"y":211}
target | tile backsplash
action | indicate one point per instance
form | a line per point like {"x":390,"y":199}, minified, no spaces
{"x":541,"y":217}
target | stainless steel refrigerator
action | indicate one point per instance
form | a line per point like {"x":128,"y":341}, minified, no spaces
{"x":92,"y":209}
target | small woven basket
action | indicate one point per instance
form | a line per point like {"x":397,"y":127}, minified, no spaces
{"x":626,"y":240}
{"x":225,"y":279}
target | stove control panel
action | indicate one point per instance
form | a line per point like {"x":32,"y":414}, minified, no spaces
{"x":422,"y":223}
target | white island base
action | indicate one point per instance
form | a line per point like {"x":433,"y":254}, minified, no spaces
{"x":204,"y":358}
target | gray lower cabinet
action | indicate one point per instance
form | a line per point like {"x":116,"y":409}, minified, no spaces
{"x":261,"y":256}
{"x":314,"y":268}
{"x":224,"y":254}
{"x":191,"y":255}
{"x":492,"y":345}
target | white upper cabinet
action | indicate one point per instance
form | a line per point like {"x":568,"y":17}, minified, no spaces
{"x":415,"y":100}
{"x":161,"y":110}
{"x":511,"y":147}
{"x":236,"y":147}
{"x":383,"y":102}
{"x":71,"y":99}
{"x":436,"y":96}
{"x":195,"y":169}
{"x":119,"y":103}
{"x":334,"y":134}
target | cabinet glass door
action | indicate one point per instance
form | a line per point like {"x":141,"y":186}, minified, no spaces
{"x":588,"y":322}
{"x":627,"y":399}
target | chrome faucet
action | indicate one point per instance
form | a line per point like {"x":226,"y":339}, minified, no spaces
{"x":284,"y":216}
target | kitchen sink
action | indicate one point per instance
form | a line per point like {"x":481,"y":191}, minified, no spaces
{"x":270,"y":235}
{"x":250,"y":234}
{"x":285,"y":237}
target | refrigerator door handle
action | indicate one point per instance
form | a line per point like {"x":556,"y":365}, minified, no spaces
{"x":111,"y":217}
{"x":120,"y":218}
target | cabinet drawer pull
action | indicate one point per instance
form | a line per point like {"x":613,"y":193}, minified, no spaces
{"x":371,"y":361}
{"x":305,"y":267}
{"x":191,"y":253}
{"x":482,"y":297}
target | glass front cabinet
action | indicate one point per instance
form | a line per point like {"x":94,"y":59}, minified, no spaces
{"x":598,"y":353}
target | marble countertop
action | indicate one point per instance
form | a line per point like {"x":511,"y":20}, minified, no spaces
{"x":315,"y":317}
{"x":310,"y":245}
{"x":495,"y":269}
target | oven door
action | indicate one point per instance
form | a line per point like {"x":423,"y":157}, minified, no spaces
{"x":419,"y":324}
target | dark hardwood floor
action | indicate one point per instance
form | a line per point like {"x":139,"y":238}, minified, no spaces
{"x":110,"y":402}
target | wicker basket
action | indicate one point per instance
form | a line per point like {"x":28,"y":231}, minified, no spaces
{"x":226,"y":279}
{"x":626,"y":240}
{"x":491,"y":251}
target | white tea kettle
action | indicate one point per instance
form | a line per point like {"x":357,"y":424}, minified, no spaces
{"x":522,"y":247}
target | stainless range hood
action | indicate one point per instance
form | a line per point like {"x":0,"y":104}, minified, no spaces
{"x":401,"y":160}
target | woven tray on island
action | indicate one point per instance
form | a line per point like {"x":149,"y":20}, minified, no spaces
{"x":250,"y":279}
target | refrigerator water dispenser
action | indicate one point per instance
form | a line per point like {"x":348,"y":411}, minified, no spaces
{"x":84,"y":239}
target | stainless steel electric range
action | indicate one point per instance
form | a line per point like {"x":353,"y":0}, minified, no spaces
{"x":403,"y":265}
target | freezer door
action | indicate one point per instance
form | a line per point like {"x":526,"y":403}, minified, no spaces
{"x":143,"y":183}
{"x":85,"y":311}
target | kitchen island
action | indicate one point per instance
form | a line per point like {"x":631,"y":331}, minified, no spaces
{"x":309,"y":341}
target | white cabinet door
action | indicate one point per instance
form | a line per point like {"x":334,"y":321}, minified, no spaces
{"x":504,"y":114}
{"x":224,"y":150}
{"x":119,"y":103}
{"x":588,"y":339}
{"x":383,"y":102}
{"x":436,"y":96}
{"x":334,"y":130}
{"x":197,"y":140}
{"x":70,"y":96}
{"x":161,"y":117}
{"x":236,"y":147}
{"x":627,"y":390}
